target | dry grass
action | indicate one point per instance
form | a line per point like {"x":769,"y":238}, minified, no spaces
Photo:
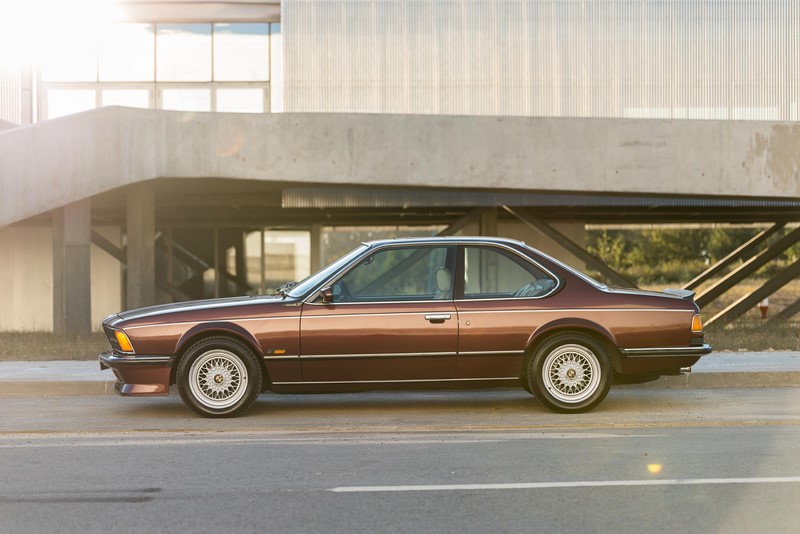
{"x":755,"y":337}
{"x":45,"y":346}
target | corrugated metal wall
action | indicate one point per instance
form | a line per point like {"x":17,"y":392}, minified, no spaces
{"x":705,"y":59}
{"x":10,"y":94}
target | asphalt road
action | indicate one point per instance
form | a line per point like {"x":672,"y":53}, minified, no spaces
{"x":496,"y":461}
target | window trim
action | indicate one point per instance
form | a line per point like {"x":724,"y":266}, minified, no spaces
{"x":424,"y":298}
{"x":460,"y":290}
{"x":313,"y":295}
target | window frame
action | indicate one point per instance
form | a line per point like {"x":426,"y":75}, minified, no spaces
{"x":513,"y":255}
{"x":316,"y":299}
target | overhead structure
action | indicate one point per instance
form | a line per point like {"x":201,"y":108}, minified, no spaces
{"x":247,"y":116}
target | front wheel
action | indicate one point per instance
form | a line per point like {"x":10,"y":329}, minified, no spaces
{"x":219,"y":377}
{"x":570,"y":373}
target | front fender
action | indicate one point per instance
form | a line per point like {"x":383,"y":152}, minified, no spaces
{"x":218,"y":328}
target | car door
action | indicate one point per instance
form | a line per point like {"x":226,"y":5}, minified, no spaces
{"x":392,"y":319}
{"x":500,"y":300}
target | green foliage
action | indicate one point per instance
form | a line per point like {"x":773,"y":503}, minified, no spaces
{"x":666,"y":256}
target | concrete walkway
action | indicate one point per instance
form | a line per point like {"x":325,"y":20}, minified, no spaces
{"x":720,"y":370}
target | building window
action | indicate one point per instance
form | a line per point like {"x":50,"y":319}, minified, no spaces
{"x":185,"y":67}
{"x":128,"y":54}
{"x":183,"y":52}
{"x":241,"y":52}
{"x":74,"y":63}
{"x":62,"y":102}
{"x":132,"y":98}
{"x":240,"y":100}
{"x":186,"y":99}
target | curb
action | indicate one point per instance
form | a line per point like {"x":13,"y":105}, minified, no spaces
{"x":76,"y":388}
{"x":721,"y":370}
{"x":42,"y":388}
{"x":724,"y":380}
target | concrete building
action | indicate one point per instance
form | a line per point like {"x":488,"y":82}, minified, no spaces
{"x":154,"y":158}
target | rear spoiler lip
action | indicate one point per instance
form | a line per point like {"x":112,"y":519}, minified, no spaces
{"x":682,"y":293}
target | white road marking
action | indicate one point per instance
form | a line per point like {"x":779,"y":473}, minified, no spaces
{"x":575,"y":484}
{"x":379,"y":439}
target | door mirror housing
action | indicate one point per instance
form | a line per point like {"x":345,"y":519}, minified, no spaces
{"x":327,"y":295}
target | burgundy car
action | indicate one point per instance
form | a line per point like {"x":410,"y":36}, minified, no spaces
{"x":411,"y":314}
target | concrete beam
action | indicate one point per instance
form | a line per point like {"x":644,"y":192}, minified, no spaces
{"x":55,"y":162}
{"x":72,"y":296}
{"x":140,"y":252}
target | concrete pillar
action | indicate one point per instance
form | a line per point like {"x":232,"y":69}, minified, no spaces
{"x":240,"y":247}
{"x":263,"y":265}
{"x":72,"y":293}
{"x":488,"y":223}
{"x":220,"y":264}
{"x":141,"y":257}
{"x":316,"y":258}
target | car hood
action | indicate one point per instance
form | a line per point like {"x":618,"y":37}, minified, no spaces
{"x":194,"y":305}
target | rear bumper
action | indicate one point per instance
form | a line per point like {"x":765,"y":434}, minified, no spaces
{"x":139,"y":375}
{"x":661,"y":360}
{"x":661,"y":352}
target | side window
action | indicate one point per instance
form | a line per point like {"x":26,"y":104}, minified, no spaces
{"x":408,"y":273}
{"x":495,"y":273}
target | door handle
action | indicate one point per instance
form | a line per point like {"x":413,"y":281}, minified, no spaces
{"x":437,"y":317}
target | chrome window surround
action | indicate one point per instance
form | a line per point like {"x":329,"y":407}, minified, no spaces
{"x":314,"y":293}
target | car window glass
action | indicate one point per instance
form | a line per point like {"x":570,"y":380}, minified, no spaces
{"x":495,"y":273}
{"x":407,"y":273}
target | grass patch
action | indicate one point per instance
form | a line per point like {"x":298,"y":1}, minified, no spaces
{"x":46,"y":346}
{"x":744,"y":336}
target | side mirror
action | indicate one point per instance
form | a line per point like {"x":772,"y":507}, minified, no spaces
{"x":327,"y":295}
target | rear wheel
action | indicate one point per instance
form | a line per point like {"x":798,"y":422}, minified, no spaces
{"x":219,"y":377}
{"x":570,"y":373}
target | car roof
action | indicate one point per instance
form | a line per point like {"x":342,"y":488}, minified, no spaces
{"x":449,"y":240}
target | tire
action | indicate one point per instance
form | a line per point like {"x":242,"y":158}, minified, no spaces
{"x":570,"y":373}
{"x":219,"y":377}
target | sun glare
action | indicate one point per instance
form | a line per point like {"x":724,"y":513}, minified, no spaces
{"x":36,"y":32}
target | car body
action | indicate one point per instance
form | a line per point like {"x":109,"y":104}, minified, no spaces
{"x":408,"y":314}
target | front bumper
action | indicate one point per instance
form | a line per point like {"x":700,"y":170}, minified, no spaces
{"x":139,"y":375}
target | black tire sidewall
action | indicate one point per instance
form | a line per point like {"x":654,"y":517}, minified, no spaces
{"x":536,"y":363}
{"x":247,"y":358}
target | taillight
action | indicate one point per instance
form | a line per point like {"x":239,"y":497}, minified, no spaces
{"x":697,"y":324}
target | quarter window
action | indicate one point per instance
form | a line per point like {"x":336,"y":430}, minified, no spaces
{"x":495,"y":273}
{"x":409,"y":273}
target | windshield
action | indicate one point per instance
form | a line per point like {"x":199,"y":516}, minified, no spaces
{"x":306,"y":285}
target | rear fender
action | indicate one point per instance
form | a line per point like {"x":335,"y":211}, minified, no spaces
{"x":579,"y":325}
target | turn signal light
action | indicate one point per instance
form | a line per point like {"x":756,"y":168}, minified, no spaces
{"x":697,"y":324}
{"x":123,"y":341}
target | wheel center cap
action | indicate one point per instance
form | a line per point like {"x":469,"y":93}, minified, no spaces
{"x":571,"y":373}
{"x":218,"y":379}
